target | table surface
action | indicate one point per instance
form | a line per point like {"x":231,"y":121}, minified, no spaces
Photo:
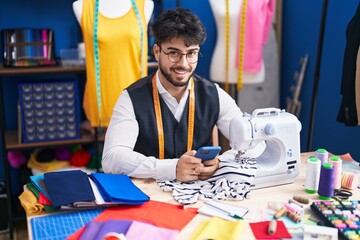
{"x":258,"y":201}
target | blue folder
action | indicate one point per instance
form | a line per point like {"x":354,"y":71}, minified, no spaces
{"x":119,"y":188}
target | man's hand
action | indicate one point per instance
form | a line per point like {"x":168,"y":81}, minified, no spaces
{"x":190,"y":168}
{"x":209,"y":168}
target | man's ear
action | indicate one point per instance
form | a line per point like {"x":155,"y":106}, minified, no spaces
{"x":156,"y":51}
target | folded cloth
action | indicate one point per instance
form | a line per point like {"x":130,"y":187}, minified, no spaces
{"x":124,"y":191}
{"x":140,"y":230}
{"x":30,"y":204}
{"x":217,"y":228}
{"x":45,"y":166}
{"x":98,"y":230}
{"x":231,"y":181}
{"x":66,"y":187}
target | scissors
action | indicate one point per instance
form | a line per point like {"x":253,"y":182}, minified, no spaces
{"x":342,"y":194}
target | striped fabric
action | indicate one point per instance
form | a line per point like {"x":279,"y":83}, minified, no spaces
{"x":231,"y":181}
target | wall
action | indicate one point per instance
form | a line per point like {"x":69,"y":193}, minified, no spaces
{"x":301,"y":25}
{"x":301,"y":21}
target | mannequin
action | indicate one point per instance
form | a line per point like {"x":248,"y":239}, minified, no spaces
{"x":218,"y":68}
{"x":250,"y":76}
{"x":113,"y":9}
{"x":119,"y":49}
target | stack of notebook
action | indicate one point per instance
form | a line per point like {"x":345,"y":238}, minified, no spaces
{"x":76,"y":189}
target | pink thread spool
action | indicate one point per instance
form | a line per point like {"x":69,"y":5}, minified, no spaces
{"x":337,"y":164}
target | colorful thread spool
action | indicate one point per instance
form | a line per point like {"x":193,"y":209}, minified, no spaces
{"x":313,"y":167}
{"x":326,"y":182}
{"x":337,"y":163}
{"x":293,"y":216}
{"x":322,"y":154}
{"x":349,"y":180}
{"x":281,"y":212}
{"x":301,"y":199}
{"x":292,"y":207}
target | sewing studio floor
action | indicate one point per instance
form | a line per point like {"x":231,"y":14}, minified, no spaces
{"x":20,"y":232}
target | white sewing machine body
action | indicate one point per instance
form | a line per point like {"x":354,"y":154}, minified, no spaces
{"x":279,"y":163}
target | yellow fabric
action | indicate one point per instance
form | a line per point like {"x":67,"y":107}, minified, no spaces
{"x":47,"y":166}
{"x":217,"y":228}
{"x":30,"y":204}
{"x":119,"y":54}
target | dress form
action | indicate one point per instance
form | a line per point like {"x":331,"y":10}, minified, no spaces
{"x":217,"y":67}
{"x":113,"y":9}
{"x":121,"y":46}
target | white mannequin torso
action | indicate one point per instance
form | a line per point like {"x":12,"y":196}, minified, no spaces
{"x":113,"y":9}
{"x":218,"y":68}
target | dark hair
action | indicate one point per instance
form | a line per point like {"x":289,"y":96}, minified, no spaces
{"x":179,"y":22}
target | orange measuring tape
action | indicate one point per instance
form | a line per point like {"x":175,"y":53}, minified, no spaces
{"x":159,"y":123}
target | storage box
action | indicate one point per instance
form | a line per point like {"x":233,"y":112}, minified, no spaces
{"x":49,"y":111}
{"x":71,"y":58}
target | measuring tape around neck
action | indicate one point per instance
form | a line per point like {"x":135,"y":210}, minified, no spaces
{"x":97,"y":57}
{"x":159,"y":123}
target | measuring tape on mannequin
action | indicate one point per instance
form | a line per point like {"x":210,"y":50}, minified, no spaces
{"x":97,"y":57}
{"x":241,"y":45}
{"x":159,"y":123}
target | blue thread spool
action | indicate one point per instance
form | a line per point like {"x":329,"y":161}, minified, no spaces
{"x":326,"y":182}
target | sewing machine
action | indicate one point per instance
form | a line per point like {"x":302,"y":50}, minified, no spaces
{"x":279,"y":133}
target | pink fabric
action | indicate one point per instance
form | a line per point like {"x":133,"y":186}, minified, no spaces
{"x":259,"y":14}
{"x":139,"y":230}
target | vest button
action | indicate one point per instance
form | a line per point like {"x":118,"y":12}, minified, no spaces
{"x":179,"y":131}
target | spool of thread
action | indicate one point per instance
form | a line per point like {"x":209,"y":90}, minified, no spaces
{"x":349,"y":180}
{"x":301,"y":199}
{"x":326,"y":182}
{"x":337,"y":164}
{"x":293,"y":216}
{"x":281,"y":212}
{"x":292,"y":207}
{"x":322,"y":154}
{"x":313,"y":168}
{"x":272,"y":227}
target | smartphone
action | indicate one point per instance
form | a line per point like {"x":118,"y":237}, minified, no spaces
{"x":207,"y":152}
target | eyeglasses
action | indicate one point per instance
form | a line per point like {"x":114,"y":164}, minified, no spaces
{"x":175,"y":56}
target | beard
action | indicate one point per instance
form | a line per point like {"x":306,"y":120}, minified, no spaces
{"x":168,"y":77}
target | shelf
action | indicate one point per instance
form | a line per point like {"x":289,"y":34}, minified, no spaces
{"x":12,"y":71}
{"x":12,"y":143}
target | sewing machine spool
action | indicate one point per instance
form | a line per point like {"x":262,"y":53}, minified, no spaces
{"x":279,"y":133}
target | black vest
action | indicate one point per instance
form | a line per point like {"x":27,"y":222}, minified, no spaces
{"x":175,"y":133}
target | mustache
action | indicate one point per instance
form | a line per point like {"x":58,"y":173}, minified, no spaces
{"x":181,"y":69}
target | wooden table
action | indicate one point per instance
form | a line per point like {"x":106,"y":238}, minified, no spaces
{"x":257,"y":202}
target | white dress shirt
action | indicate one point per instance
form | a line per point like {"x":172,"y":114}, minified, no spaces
{"x":122,"y":132}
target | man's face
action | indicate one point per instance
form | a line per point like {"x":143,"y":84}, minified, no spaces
{"x":175,"y":67}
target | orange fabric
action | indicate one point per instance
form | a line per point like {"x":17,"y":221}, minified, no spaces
{"x":158,"y":213}
{"x":119,"y":54}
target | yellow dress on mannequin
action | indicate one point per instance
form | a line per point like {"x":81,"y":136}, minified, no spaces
{"x":119,"y":58}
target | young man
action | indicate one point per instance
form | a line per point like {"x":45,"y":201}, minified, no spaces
{"x":160,"y":121}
